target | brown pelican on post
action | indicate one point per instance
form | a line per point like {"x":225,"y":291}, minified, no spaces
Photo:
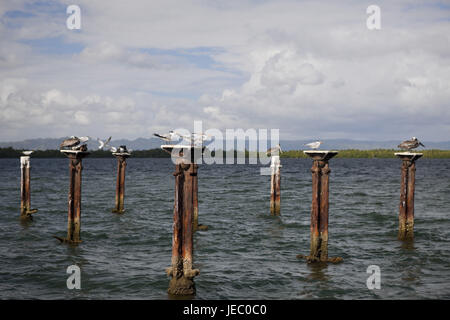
{"x":73,"y":143}
{"x":410,"y":144}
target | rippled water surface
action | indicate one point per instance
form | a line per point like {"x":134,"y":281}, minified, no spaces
{"x":246,"y":253}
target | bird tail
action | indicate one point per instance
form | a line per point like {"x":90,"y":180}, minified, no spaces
{"x":158,"y":135}
{"x":421,"y":144}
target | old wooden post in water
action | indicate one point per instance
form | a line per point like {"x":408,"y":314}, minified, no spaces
{"x":319,"y":206}
{"x":74,"y":212}
{"x":120,"y":184}
{"x":275,"y":185}
{"x":25,"y":194}
{"x":407,"y":186}
{"x":181,"y":270}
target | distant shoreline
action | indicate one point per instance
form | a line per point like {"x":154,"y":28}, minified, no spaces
{"x":158,"y":153}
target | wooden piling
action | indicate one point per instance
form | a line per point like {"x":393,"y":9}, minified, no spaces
{"x":181,"y":270}
{"x":25,"y":193}
{"x":319,"y":207}
{"x":407,"y":188}
{"x":120,"y":183}
{"x":74,"y":198}
{"x":275,"y":186}
{"x":195,"y":225}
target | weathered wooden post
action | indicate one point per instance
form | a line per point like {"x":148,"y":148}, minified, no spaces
{"x":120,"y":184}
{"x":74,"y":212}
{"x":407,"y":186}
{"x":319,"y":206}
{"x":181,"y":270}
{"x":275,"y":185}
{"x":195,"y":225}
{"x":25,"y":194}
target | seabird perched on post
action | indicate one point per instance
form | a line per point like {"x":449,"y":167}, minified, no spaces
{"x":167,"y":136}
{"x":314,"y":145}
{"x":74,"y":143}
{"x":196,"y":138}
{"x":274,"y":151}
{"x":410,"y":144}
{"x":27,"y":153}
{"x":123,"y":149}
{"x":103,"y":144}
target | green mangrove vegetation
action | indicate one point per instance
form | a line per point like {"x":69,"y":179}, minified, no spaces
{"x":158,"y":153}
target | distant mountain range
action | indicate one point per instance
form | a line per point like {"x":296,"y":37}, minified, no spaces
{"x":153,"y":143}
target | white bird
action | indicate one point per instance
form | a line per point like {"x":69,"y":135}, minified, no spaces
{"x":314,"y":145}
{"x":275,"y":150}
{"x":27,"y":153}
{"x":167,"y":136}
{"x":113,"y":149}
{"x":196,"y":138}
{"x":103,"y":144}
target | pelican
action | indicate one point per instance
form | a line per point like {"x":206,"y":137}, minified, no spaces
{"x":103,"y":144}
{"x":314,"y":145}
{"x":74,"y":143}
{"x":27,"y":153}
{"x":167,"y":136}
{"x":69,"y":143}
{"x":410,"y":144}
{"x":275,"y":150}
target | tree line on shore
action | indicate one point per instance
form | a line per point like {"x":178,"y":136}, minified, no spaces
{"x":159,"y":153}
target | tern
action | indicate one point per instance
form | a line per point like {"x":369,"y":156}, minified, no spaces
{"x":314,"y":145}
{"x":196,"y":138}
{"x":168,"y":136}
{"x":410,"y":144}
{"x":27,"y":153}
{"x":275,"y":150}
{"x":103,"y":144}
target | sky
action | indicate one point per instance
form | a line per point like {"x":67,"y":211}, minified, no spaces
{"x":311,"y":69}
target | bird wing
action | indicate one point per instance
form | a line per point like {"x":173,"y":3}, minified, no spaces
{"x":161,"y":137}
{"x":406,"y":144}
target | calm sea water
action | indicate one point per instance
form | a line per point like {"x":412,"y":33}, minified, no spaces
{"x":246,"y":253}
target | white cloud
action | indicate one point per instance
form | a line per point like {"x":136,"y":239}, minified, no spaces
{"x":309,"y":68}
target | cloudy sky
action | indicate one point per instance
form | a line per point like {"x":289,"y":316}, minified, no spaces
{"x":310,"y":68}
